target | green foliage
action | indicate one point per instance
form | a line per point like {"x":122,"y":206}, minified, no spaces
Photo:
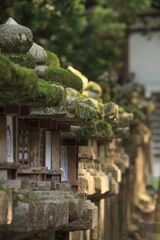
{"x":23,"y":60}
{"x":87,"y":34}
{"x":127,"y":10}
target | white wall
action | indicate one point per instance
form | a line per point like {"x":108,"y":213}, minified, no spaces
{"x":144,"y":60}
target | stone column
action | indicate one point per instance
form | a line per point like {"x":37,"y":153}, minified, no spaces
{"x":101,"y":219}
{"x":156,"y":226}
{"x":94,"y":234}
{"x":76,"y":235}
{"x":108,"y":224}
{"x":86,"y":235}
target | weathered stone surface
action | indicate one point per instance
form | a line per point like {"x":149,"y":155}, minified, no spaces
{"x":153,"y":236}
{"x":71,"y":105}
{"x":3,"y":182}
{"x":28,"y":217}
{"x":114,"y":189}
{"x":87,"y":221}
{"x":15,"y":38}
{"x":120,"y":164}
{"x":72,"y":92}
{"x":3,"y":175}
{"x":36,"y":211}
{"x":111,"y":111}
{"x":114,"y":170}
{"x":95,"y":87}
{"x":26,"y":184}
{"x":76,"y":235}
{"x":14,"y":183}
{"x":75,"y":206}
{"x":63,"y":186}
{"x":95,"y":104}
{"x":38,"y":53}
{"x":41,"y":185}
{"x":5,"y":207}
{"x":41,"y":71}
{"x":86,"y":182}
{"x":102,"y":184}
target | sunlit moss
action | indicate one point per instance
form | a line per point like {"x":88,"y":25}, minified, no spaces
{"x":13,"y":77}
{"x":23,"y":60}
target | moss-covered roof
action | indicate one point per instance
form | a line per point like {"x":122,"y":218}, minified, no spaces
{"x":60,"y":93}
{"x":45,"y":95}
{"x":63,"y":77}
{"x":74,"y":111}
{"x":23,"y":60}
{"x":100,"y":129}
{"x":15,"y":78}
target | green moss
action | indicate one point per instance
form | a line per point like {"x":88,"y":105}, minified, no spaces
{"x":85,"y":112}
{"x":23,"y":60}
{"x":138,"y":115}
{"x":4,"y":189}
{"x":21,"y":46}
{"x":106,"y":98}
{"x":85,"y":132}
{"x":104,"y":129}
{"x":101,"y":129}
{"x":105,"y":87}
{"x":72,"y":92}
{"x":46,"y":95}
{"x":58,"y":75}
{"x":95,"y":87}
{"x":71,"y":105}
{"x":122,"y":132}
{"x":101,"y":109}
{"x":75,"y":81}
{"x":92,"y":103}
{"x":50,"y":94}
{"x":15,"y":78}
{"x":52,"y":59}
{"x":81,"y":98}
{"x":28,"y":197}
{"x":63,"y":77}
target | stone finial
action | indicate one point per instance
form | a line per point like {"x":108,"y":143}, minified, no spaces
{"x":41,"y":71}
{"x":38,"y":53}
{"x":15,"y":38}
